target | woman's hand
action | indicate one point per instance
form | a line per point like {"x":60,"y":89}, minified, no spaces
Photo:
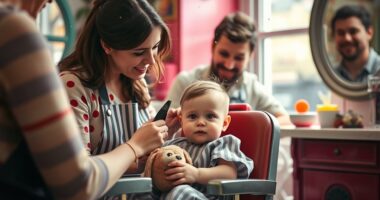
{"x":149,"y":136}
{"x":172,"y":121}
{"x":181,"y":173}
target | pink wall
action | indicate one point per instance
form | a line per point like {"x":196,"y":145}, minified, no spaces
{"x":198,"y":19}
{"x":192,"y":31}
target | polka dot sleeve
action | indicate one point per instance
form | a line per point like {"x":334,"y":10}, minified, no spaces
{"x":80,"y":98}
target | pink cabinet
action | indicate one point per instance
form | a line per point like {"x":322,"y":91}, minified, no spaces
{"x":336,"y":169}
{"x":321,"y":184}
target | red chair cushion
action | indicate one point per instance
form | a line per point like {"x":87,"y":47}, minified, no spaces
{"x":239,"y":107}
{"x":254,"y":129}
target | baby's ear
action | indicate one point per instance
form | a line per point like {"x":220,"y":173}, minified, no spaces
{"x":179,"y":116}
{"x":226,"y":122}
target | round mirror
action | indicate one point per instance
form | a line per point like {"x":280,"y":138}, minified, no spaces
{"x":323,"y":50}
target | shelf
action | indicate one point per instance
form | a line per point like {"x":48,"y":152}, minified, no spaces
{"x":370,"y":134}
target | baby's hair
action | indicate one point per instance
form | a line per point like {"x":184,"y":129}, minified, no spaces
{"x":200,"y":88}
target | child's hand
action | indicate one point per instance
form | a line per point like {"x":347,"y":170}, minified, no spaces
{"x":181,"y":173}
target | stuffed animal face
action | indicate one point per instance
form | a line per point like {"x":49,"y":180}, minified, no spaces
{"x":172,"y":154}
{"x":158,"y":162}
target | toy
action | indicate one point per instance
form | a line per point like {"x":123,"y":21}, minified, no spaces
{"x":158,"y":161}
{"x":302,"y":106}
{"x":349,"y":120}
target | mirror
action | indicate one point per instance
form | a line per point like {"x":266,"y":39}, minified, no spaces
{"x":323,"y":48}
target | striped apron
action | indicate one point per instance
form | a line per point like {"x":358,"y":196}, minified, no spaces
{"x":120,"y":122}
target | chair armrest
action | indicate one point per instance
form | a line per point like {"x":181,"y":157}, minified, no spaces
{"x":131,"y":185}
{"x":241,"y":186}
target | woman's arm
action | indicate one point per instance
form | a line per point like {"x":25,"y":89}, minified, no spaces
{"x":40,"y":107}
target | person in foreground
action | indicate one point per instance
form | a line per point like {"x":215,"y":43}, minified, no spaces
{"x":120,"y":43}
{"x":232,"y":49}
{"x":352,"y":31}
{"x":203,"y":117}
{"x":41,"y":151}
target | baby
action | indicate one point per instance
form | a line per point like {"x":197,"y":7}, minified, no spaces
{"x":203,"y":117}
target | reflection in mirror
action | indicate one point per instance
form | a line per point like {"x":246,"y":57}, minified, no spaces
{"x":351,"y":30}
{"x":349,"y":42}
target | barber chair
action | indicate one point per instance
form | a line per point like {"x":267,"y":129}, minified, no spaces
{"x":259,"y":133}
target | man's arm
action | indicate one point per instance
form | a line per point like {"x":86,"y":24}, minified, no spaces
{"x":283,"y":119}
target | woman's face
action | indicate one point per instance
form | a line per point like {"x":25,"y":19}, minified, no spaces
{"x":33,"y":7}
{"x":134,"y":63}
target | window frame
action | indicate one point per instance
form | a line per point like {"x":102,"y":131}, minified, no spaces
{"x":258,"y":10}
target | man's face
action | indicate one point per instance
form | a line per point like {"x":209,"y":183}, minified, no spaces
{"x":229,"y":59}
{"x":351,"y":38}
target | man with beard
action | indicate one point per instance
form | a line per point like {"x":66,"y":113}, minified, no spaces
{"x":232,"y":49}
{"x":352,"y":32}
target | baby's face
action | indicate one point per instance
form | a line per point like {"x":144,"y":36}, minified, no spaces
{"x":203,"y":118}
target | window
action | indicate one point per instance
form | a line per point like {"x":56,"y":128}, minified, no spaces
{"x":283,"y":59}
{"x":57,"y":24}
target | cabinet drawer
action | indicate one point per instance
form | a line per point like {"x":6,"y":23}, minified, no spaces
{"x":334,"y":185}
{"x":339,"y":152}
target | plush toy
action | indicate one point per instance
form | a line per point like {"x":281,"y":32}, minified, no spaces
{"x":158,"y":162}
{"x":349,"y":120}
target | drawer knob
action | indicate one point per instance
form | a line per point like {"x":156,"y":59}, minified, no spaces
{"x":338,"y":192}
{"x":337,"y":151}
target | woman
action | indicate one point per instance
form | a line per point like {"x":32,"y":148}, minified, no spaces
{"x":120,"y":43}
{"x":41,"y":153}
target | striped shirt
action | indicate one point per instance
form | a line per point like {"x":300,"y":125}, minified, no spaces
{"x":207,"y":155}
{"x":34,"y":106}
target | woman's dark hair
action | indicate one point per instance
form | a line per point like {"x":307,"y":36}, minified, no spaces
{"x":121,"y":25}
{"x":352,"y":11}
{"x":238,"y":28}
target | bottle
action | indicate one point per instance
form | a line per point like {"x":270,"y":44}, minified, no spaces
{"x":374,"y":91}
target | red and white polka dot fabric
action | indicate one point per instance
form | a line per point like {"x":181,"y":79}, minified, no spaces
{"x":86,"y":104}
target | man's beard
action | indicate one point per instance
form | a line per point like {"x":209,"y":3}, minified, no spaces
{"x":349,"y":58}
{"x":216,"y":68}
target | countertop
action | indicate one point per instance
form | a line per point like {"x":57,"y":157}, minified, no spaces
{"x":315,"y":132}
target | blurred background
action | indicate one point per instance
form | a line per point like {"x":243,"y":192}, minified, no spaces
{"x":282,"y":61}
